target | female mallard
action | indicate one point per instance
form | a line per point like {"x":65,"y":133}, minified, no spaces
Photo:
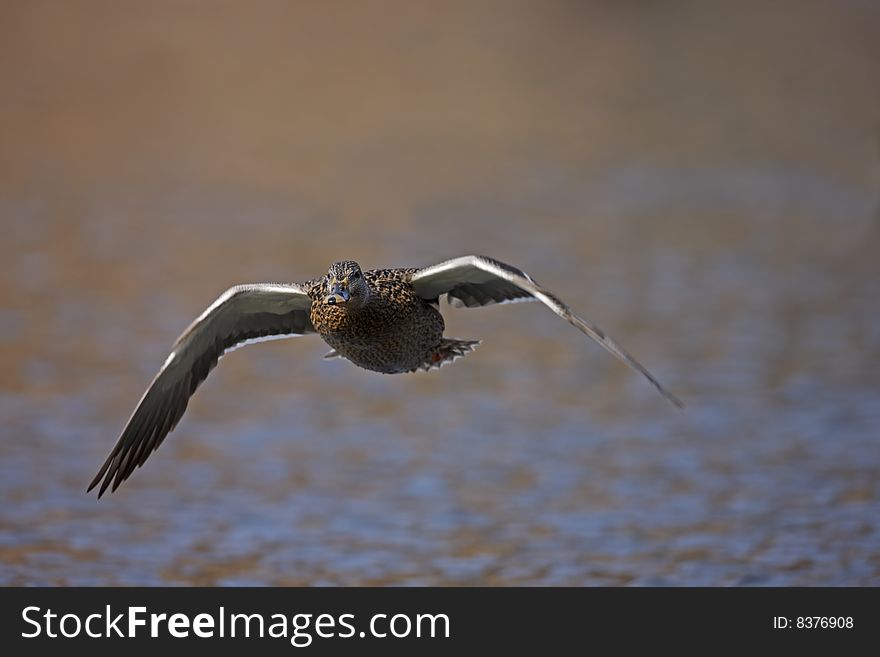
{"x":385,"y":320}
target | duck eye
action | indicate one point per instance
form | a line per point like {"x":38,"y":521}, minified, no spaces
{"x":356,"y":275}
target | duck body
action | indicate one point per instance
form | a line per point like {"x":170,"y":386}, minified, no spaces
{"x":393,"y":331}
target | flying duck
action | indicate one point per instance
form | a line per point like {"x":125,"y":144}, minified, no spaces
{"x":384,"y":320}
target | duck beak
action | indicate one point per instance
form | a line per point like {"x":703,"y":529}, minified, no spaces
{"x":338,"y":293}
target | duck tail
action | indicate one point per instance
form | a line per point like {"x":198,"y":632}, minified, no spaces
{"x":447,"y":351}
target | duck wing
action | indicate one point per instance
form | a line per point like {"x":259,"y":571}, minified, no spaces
{"x":475,"y":280}
{"x":241,"y":315}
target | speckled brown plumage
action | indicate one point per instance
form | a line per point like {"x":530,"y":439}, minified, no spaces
{"x":394,"y":331}
{"x":384,"y":320}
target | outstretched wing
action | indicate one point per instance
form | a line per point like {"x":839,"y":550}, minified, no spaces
{"x":479,"y":281}
{"x":242,"y":314}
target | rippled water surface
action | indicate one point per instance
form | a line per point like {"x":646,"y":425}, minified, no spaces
{"x":702,"y":183}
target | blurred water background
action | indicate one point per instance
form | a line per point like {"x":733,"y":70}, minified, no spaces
{"x":700,"y":179}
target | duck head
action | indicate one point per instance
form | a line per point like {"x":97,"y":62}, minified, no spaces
{"x":346,"y":285}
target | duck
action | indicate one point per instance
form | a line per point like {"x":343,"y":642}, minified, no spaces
{"x":382,"y":320}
